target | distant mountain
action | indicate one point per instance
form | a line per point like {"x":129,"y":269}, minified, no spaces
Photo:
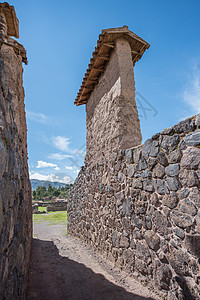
{"x":35,"y":183}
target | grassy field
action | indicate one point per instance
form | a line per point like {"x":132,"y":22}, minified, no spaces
{"x":40,"y":208}
{"x":53,"y":218}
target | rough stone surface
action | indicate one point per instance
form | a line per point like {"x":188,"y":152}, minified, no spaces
{"x":170,"y":200}
{"x":172,"y":170}
{"x":15,"y":189}
{"x":149,"y":225}
{"x":193,"y":139}
{"x":152,"y":240}
{"x":111,"y":113}
{"x":191,"y":158}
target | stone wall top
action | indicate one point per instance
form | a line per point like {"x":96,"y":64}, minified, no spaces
{"x":11,"y":19}
{"x":101,"y":56}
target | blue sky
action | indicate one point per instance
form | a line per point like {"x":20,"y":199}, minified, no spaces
{"x":60,"y":37}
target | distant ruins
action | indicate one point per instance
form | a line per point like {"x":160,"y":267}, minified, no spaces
{"x":139,"y":205}
{"x":15,"y":188}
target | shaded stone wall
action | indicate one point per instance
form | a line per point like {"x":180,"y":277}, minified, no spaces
{"x":112,"y":117}
{"x":15,"y":189}
{"x":141,"y":209}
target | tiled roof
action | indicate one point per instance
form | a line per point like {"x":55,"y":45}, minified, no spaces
{"x":101,"y":56}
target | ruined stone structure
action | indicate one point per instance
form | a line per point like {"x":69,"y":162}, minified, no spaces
{"x":108,"y":90}
{"x":15,"y":189}
{"x":139,"y":206}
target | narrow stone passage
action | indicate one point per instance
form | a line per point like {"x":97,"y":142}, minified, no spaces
{"x":62,"y":267}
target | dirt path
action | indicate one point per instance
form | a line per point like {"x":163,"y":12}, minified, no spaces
{"x":63,"y":268}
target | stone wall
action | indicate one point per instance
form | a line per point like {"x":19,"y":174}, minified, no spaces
{"x":142,"y":210}
{"x":112,"y":117}
{"x":51,"y":206}
{"x":15,"y":189}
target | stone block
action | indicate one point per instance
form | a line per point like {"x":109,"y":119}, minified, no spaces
{"x":193,"y":139}
{"x":152,"y":240}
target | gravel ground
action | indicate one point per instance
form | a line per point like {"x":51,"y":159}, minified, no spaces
{"x":63,"y":267}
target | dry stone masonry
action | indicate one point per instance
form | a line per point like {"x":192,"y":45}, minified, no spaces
{"x":140,"y":206}
{"x":15,"y":189}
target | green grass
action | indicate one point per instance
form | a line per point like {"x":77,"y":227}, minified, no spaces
{"x":53,"y":218}
{"x":40,"y":208}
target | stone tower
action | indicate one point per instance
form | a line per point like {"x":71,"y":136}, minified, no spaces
{"x":15,"y":188}
{"x":108,"y":90}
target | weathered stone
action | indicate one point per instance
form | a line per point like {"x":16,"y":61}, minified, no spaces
{"x":142,"y":165}
{"x":142,"y":251}
{"x":183,"y":193}
{"x":193,"y":139}
{"x":194,"y":196}
{"x":137,"y":154}
{"x":146,"y":148}
{"x":182,"y":145}
{"x":115,"y":239}
{"x":184,"y":126}
{"x":130,"y":171}
{"x":197,"y":219}
{"x":137,"y":183}
{"x":155,"y":136}
{"x":179,"y":261}
{"x":148,"y":185}
{"x":158,"y":171}
{"x":154,"y":199}
{"x":154,"y":149}
{"x":167,"y":131}
{"x":129,"y":256}
{"x":136,"y":221}
{"x":129,"y":156}
{"x":162,"y":159}
{"x":179,"y":232}
{"x":151,"y":163}
{"x":140,"y":266}
{"x":124,"y":242}
{"x":174,"y":156}
{"x":161,"y":223}
{"x":163,"y":276}
{"x":172,"y":170}
{"x":170,"y":200}
{"x":188,"y":178}
{"x":192,"y":244}
{"x":160,"y":186}
{"x":169,"y":143}
{"x":191,"y":158}
{"x":146,"y":174}
{"x":186,"y":206}
{"x":152,"y":240}
{"x":180,"y":219}
{"x":173,"y":183}
{"x":148,"y":223}
{"x":127,"y":207}
{"x":137,"y":235}
{"x":197,"y":121}
{"x":120,"y":197}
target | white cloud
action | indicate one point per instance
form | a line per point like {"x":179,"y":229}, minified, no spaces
{"x":191,"y":94}
{"x":37,"y":117}
{"x":57,"y":168}
{"x":67,"y":179}
{"x":77,"y":171}
{"x":50,"y":177}
{"x":68,"y":167}
{"x":61,"y":142}
{"x":43,"y":164}
{"x":59,"y":156}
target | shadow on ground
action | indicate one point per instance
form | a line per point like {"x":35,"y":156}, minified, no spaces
{"x":59,"y":278}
